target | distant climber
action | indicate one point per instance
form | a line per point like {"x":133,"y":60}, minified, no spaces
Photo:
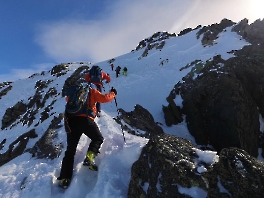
{"x":124,"y":72}
{"x":118,"y":71}
{"x":112,"y":66}
{"x":96,"y":76}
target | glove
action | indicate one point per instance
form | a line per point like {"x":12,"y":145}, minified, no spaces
{"x":114,"y":90}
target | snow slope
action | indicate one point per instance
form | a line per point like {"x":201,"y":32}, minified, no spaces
{"x":148,"y":83}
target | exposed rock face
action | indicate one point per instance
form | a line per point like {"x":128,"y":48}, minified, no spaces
{"x":25,"y":113}
{"x":240,"y":174}
{"x":210,"y":33}
{"x":168,"y":163}
{"x":140,"y":119}
{"x":157,"y":41}
{"x":220,"y":111}
{"x":59,"y":70}
{"x":6,"y":88}
{"x":46,"y":146}
{"x":13,"y":113}
{"x":252,"y":33}
{"x":187,"y":30}
{"x":17,"y":147}
{"x":165,"y":163}
{"x":222,"y":99}
{"x":158,"y":36}
{"x":248,"y":69}
{"x":172,"y":112}
{"x":4,"y":84}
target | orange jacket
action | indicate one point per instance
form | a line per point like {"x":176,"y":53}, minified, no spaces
{"x":97,"y":96}
{"x":104,"y":77}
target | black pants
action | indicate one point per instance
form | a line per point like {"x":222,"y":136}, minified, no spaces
{"x":75,"y":127}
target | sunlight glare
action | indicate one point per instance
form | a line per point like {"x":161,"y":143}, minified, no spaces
{"x":257,"y":8}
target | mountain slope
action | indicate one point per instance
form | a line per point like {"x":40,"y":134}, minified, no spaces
{"x":150,"y":79}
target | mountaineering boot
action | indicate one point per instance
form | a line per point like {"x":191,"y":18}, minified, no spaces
{"x":64,"y":183}
{"x":89,"y":161}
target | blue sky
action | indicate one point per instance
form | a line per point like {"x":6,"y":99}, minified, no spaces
{"x":36,"y":35}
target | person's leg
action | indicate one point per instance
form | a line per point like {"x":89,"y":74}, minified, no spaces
{"x":72,"y":142}
{"x":93,"y":132}
{"x":68,"y":160}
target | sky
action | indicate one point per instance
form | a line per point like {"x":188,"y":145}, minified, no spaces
{"x":26,"y":176}
{"x":36,"y":35}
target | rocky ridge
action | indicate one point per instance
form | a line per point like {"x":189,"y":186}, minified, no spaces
{"x":218,"y":102}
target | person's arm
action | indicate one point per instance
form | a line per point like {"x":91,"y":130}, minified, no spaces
{"x":106,"y":77}
{"x":103,"y":98}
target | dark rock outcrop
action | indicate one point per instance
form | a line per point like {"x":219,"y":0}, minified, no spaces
{"x":219,"y":109}
{"x":17,"y":147}
{"x":157,"y":41}
{"x":13,"y":113}
{"x":4,"y":84}
{"x":222,"y":99}
{"x":253,"y":33}
{"x":164,"y":163}
{"x":172,"y":112}
{"x":210,"y":33}
{"x":141,"y":119}
{"x":187,"y":30}
{"x":155,"y":38}
{"x":6,"y":88}
{"x":27,"y":112}
{"x":46,"y":146}
{"x":168,"y":164}
{"x":240,"y":174}
{"x":59,"y":70}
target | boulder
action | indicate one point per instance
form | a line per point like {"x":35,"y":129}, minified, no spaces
{"x":237,"y":174}
{"x":13,"y":113}
{"x":139,"y":122}
{"x":169,"y":166}
{"x":166,"y":163}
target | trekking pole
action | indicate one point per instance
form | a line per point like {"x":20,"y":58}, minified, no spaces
{"x":103,"y":86}
{"x":109,"y":91}
{"x":120,"y":120}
